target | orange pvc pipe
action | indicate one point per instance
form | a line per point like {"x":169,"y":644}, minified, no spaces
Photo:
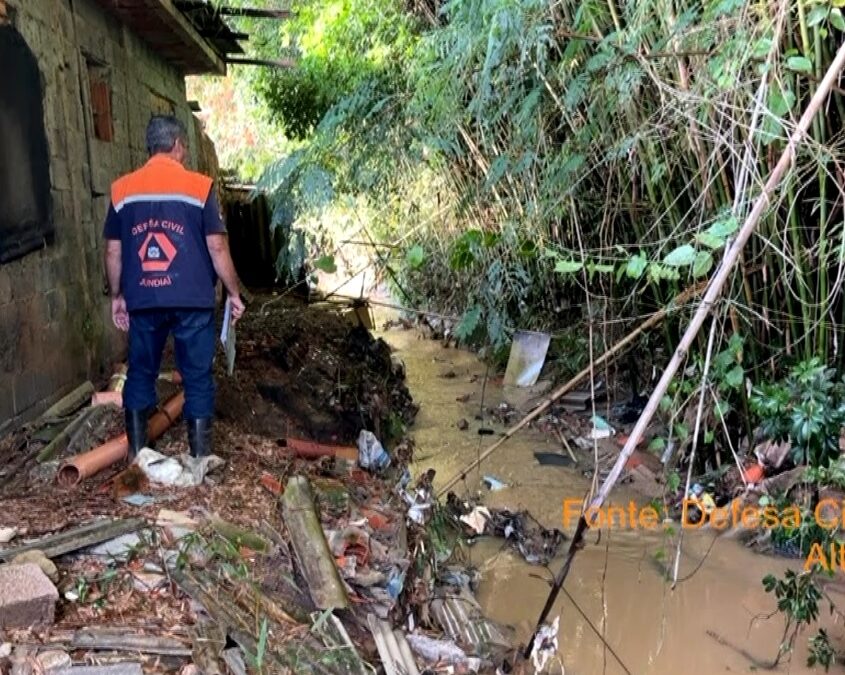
{"x":89,"y":463}
{"x":313,"y":450}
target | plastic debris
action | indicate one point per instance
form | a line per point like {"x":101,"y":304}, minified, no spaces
{"x":460,"y":617}
{"x":553,"y":459}
{"x":443,"y":652}
{"x":477,"y":519}
{"x":186,"y":471}
{"x":545,"y":645}
{"x":139,"y":500}
{"x":494,"y":483}
{"x":601,"y":429}
{"x":7,"y":534}
{"x":371,"y":454}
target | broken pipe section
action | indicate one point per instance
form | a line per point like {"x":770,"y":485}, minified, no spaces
{"x":89,"y":463}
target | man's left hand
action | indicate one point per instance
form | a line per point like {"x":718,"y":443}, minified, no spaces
{"x":119,"y":314}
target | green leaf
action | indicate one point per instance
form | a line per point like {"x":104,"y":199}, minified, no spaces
{"x":735,"y":377}
{"x":601,"y":269}
{"x":709,"y":240}
{"x":568,"y":266}
{"x":781,"y":101}
{"x":415,"y":257}
{"x":636,"y":266}
{"x":326,"y":264}
{"x":800,"y":63}
{"x":657,"y":443}
{"x":468,"y":323}
{"x":816,"y":15}
{"x":836,"y":19}
{"x":703,"y":264}
{"x":680,"y":257}
{"x":724,"y":228}
{"x":665,"y":403}
{"x":709,"y":436}
{"x":673,"y":481}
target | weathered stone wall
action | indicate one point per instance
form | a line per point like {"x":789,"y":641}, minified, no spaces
{"x":55,"y":325}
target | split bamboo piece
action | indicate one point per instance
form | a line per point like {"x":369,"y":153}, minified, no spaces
{"x":714,"y":290}
{"x":311,"y":548}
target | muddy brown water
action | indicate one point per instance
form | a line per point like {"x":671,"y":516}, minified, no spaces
{"x":705,"y":625}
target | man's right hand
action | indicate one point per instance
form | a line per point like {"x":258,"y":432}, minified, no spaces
{"x":238,"y":307}
{"x":119,"y":314}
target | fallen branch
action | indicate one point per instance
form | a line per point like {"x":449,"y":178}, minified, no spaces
{"x":610,"y":354}
{"x":714,"y":290}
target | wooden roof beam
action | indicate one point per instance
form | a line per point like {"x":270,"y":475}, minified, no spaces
{"x":251,"y":12}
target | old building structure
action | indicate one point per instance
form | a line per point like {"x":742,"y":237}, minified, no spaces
{"x":80,"y":81}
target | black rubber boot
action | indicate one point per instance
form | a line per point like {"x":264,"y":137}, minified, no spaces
{"x":199,"y":436}
{"x":136,"y":431}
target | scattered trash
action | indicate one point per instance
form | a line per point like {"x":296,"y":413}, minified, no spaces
{"x":754,"y":473}
{"x":772,"y":455}
{"x":601,"y":429}
{"x":545,"y":645}
{"x":119,"y":547}
{"x":271,"y":484}
{"x":371,"y":455}
{"x":139,"y":500}
{"x":459,"y":615}
{"x":477,"y":519}
{"x":186,"y":471}
{"x":553,"y":459}
{"x":7,"y":534}
{"x":534,"y":542}
{"x":494,"y":484}
{"x":442,"y":652}
{"x":393,"y":650}
{"x":527,"y":356}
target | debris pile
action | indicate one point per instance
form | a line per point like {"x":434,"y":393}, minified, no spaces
{"x":281,"y":553}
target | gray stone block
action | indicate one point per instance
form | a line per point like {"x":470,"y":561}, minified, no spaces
{"x":27,"y":597}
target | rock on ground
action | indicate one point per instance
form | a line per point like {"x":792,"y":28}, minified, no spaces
{"x":53,"y":660}
{"x":39,"y":558}
{"x":27,"y":597}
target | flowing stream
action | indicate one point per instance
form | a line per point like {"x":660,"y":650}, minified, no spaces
{"x":713,"y":622}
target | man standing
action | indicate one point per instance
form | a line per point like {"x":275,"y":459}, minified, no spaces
{"x":165,"y":247}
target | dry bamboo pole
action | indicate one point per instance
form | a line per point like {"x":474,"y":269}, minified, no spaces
{"x":714,"y":289}
{"x":646,"y":325}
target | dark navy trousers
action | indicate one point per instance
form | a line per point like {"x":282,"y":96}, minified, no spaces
{"x":194,"y":336}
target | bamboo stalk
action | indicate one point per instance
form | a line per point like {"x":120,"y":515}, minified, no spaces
{"x":714,"y":290}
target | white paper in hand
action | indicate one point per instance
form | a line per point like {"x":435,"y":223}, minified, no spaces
{"x":227,"y":337}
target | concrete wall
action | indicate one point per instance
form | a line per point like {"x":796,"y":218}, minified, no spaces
{"x":55,"y":325}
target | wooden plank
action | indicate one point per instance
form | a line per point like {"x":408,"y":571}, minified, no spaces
{"x":89,"y":534}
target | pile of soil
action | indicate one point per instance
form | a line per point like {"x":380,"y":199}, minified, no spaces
{"x":312,"y":370}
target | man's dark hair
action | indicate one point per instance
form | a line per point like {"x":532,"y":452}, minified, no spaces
{"x":163,"y":132}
